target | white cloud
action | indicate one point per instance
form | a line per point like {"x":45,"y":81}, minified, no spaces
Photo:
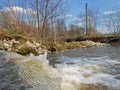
{"x":105,"y":20}
{"x":16,"y":9}
{"x":77,"y":19}
{"x":97,"y":15}
{"x":109,"y":12}
{"x":20,"y":10}
{"x":68,"y":15}
{"x":80,"y":24}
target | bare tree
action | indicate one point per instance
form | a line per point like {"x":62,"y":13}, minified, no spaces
{"x":47,"y":10}
{"x":61,"y":30}
{"x":75,"y":31}
{"x":5,"y":20}
{"x":23,"y":16}
{"x":92,"y":21}
{"x":37,"y":14}
{"x":112,"y":22}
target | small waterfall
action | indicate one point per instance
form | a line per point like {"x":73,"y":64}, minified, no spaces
{"x":27,"y":73}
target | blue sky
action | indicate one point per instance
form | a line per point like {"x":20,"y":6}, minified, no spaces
{"x":103,"y":7}
{"x":77,"y":7}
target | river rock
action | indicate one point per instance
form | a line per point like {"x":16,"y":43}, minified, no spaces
{"x":37,"y":44}
{"x":28,"y":43}
{"x":7,"y":46}
{"x":95,"y":43}
{"x":14,"y":41}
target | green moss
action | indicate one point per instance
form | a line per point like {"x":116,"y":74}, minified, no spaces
{"x":13,"y":32}
{"x":71,"y":45}
{"x":59,"y":46}
{"x":48,"y":43}
{"x":25,"y":50}
{"x":1,"y":45}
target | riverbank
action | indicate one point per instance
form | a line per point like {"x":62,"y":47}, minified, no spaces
{"x":102,"y":39}
{"x":22,"y":44}
{"x":74,"y":45}
{"x":28,"y":46}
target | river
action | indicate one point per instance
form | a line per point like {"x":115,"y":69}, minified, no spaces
{"x":96,"y":68}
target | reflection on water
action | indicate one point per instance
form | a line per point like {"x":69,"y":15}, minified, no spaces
{"x":89,"y":69}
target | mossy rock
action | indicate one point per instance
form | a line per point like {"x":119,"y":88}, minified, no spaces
{"x":26,"y":50}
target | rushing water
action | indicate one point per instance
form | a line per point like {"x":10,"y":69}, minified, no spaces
{"x":89,"y":69}
{"x":96,"y":68}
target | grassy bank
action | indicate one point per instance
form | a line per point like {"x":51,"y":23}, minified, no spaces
{"x":53,"y":47}
{"x":24,"y":44}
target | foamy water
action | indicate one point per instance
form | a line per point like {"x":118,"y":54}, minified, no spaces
{"x":98,"y":70}
{"x":82,"y":69}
